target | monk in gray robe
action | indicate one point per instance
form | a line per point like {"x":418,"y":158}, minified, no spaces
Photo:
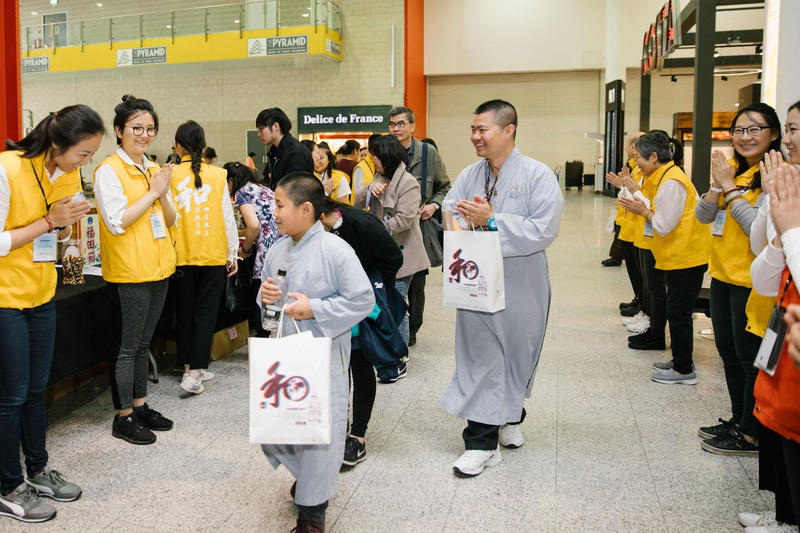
{"x":327,"y":293}
{"x":497,"y":353}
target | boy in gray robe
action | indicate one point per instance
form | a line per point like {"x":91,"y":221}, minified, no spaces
{"x":327,"y":293}
{"x":497,"y":354}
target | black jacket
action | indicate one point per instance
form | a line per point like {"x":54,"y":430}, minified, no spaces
{"x":289,"y":156}
{"x":374,"y":247}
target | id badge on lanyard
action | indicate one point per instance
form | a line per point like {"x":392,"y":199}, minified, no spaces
{"x":648,"y":228}
{"x":44,"y":248}
{"x":157,"y":224}
{"x":772,"y":344}
{"x":719,"y":223}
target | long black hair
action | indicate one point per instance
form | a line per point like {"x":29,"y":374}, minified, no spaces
{"x":774,"y":124}
{"x":129,"y":107}
{"x":331,"y":162}
{"x":240,"y":175}
{"x":62,"y":129}
{"x":191,"y":136}
{"x":390,"y":153}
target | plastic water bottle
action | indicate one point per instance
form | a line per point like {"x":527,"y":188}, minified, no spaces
{"x":272,"y":313}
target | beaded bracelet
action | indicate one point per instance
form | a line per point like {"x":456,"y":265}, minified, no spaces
{"x":49,"y":223}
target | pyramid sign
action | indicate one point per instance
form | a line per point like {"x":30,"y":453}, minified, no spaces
{"x":256,"y":47}
{"x":124,"y":58}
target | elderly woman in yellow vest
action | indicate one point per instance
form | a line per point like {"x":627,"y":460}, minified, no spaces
{"x":206,"y":241}
{"x":680,"y":247}
{"x":136,"y":211}
{"x":39,"y":179}
{"x":731,"y":205}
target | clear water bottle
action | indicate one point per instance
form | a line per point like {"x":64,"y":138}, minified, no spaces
{"x":272,"y":312}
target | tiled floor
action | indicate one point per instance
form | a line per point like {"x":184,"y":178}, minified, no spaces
{"x":605,"y":448}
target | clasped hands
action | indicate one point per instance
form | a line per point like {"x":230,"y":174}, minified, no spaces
{"x":477,"y":212}
{"x":300,"y":309}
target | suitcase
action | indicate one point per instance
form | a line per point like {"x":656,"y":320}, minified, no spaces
{"x":573,"y":175}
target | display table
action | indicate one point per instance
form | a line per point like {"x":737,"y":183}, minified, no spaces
{"x":84,"y":327}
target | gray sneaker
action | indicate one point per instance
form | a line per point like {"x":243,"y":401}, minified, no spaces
{"x":662,"y":367}
{"x":670,"y":377}
{"x":52,"y":484}
{"x":25,"y":505}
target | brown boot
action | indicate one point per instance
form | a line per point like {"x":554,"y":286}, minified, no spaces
{"x":306,"y":526}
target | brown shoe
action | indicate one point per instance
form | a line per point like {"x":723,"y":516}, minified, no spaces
{"x":306,"y":526}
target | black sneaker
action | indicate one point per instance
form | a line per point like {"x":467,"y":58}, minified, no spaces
{"x":630,"y":311}
{"x":611,"y":262}
{"x":154,"y":420}
{"x":632,"y":303}
{"x":640,"y":337}
{"x":648,"y":342}
{"x":354,"y":451}
{"x":402,"y":371}
{"x":129,"y":428}
{"x":412,"y":340}
{"x":725,"y":427}
{"x":732,"y":444}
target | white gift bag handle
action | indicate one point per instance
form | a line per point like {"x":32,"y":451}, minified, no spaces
{"x":280,"y":324}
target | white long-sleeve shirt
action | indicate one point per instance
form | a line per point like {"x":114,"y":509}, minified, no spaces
{"x":767,"y":268}
{"x":671,"y":201}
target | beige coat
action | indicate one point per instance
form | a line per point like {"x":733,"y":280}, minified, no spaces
{"x":398,"y":209}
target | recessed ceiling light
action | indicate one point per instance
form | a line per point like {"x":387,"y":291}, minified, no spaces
{"x":305,"y":14}
{"x":99,"y":5}
{"x":236,"y":21}
{"x":34,"y":12}
{"x":169,"y":27}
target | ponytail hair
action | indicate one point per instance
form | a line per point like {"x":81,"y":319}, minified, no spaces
{"x":60,"y":131}
{"x":132,"y":106}
{"x":191,"y":136}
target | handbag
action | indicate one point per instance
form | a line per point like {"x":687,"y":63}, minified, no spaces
{"x":431,"y":231}
{"x":241,"y":288}
{"x":290,"y":389}
{"x":473,"y":275}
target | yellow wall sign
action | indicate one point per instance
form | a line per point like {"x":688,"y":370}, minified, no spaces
{"x":188,"y":49}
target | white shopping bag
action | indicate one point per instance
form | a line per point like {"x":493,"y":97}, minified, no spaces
{"x":473,"y":271}
{"x":290,"y":389}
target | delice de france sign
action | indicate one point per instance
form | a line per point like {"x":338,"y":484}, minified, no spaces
{"x":345,"y":118}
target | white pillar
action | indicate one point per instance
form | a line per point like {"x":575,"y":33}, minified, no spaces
{"x":781,"y":77}
{"x":615,"y":29}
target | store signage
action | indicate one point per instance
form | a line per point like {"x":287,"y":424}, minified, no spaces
{"x":275,"y":46}
{"x":349,"y":118}
{"x":36,"y":64}
{"x":662,"y":38}
{"x":332,"y":47}
{"x":141,"y":56}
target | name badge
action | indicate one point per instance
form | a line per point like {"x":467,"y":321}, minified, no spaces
{"x":719,"y":223}
{"x":44,"y":248}
{"x":771,"y":346}
{"x":159,"y":231}
{"x":648,"y":228}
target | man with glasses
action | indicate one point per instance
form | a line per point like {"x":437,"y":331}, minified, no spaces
{"x":286,"y":155}
{"x":401,"y":125}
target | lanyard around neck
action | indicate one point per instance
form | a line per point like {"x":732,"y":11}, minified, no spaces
{"x":41,"y":188}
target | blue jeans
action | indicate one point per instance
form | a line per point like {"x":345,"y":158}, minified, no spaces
{"x":401,"y":284}
{"x":27,"y":338}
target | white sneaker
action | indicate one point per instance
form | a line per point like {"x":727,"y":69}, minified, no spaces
{"x":190,"y":385}
{"x":511,"y":436}
{"x":755,"y":519}
{"x":639,"y":327}
{"x":635,"y":318}
{"x":472,"y":462}
{"x":207,"y":375}
{"x":776,"y":528}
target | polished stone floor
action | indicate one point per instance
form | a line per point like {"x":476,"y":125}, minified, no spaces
{"x":606,"y":449}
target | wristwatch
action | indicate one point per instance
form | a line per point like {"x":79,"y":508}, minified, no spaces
{"x":492,"y":224}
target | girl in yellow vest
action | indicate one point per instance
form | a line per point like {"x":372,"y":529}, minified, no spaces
{"x":680,"y":247}
{"x":38,"y":180}
{"x":364,"y":173}
{"x":206,"y":241}
{"x":336,"y":182}
{"x":731,"y":205}
{"x":136,"y":210}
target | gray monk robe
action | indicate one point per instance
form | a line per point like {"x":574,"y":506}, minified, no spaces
{"x":325,"y":268}
{"x":497,"y":354}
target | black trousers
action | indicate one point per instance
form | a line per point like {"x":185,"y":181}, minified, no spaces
{"x":683,"y":287}
{"x":631,"y":255}
{"x":197,"y":298}
{"x":364,"y":387}
{"x":779,"y":473}
{"x":416,"y":301}
{"x":656,"y":291}
{"x":738,"y":348}
{"x":478,"y":436}
{"x":616,"y":251}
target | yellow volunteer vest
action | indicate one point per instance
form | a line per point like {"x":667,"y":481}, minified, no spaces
{"x":758,"y":310}
{"x":338,"y":176}
{"x":200,"y":237}
{"x":688,"y":244}
{"x":628,"y":226}
{"x":620,"y":211}
{"x":25,"y":284}
{"x":639,"y":240}
{"x":135,"y":256}
{"x":368,"y":169}
{"x":731,"y":255}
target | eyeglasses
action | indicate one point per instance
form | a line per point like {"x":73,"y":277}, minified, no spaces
{"x":752,"y":131}
{"x":401,"y":125}
{"x":139,"y":131}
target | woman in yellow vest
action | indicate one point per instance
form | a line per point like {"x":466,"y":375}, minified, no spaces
{"x":136,"y":210}
{"x":680,"y":247}
{"x":38,"y":180}
{"x":206,"y":241}
{"x":364,"y":172}
{"x":336,"y":182}
{"x":731,"y":205}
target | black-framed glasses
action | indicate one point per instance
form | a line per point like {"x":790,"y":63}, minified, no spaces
{"x":140,"y":130}
{"x":400,"y":124}
{"x":752,"y":131}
